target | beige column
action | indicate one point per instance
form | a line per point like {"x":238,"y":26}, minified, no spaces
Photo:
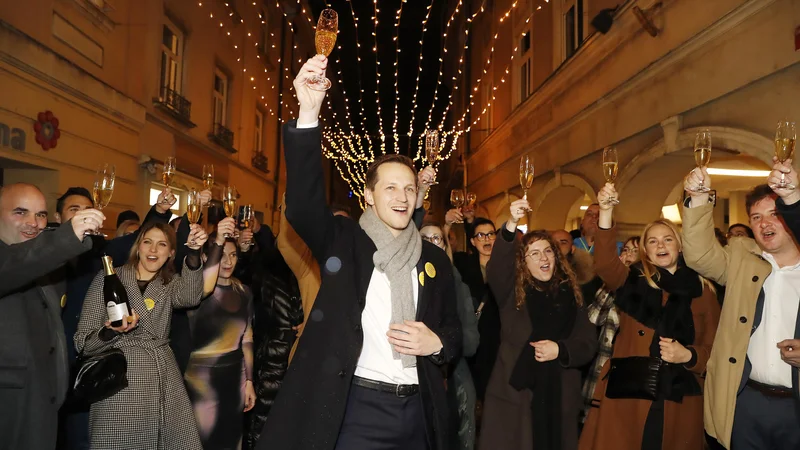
{"x":736,"y":208}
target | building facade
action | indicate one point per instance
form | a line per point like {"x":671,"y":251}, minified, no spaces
{"x":544,"y":81}
{"x":131,"y":83}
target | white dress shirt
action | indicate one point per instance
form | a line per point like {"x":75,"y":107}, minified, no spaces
{"x":781,"y":300}
{"x":377,"y":360}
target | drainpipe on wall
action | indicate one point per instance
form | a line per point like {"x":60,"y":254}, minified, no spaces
{"x":276,"y":200}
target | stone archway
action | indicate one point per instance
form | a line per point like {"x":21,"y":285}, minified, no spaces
{"x":554,"y":201}
{"x":649,"y":179}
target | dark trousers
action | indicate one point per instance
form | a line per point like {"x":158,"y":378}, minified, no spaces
{"x":763,"y":422}
{"x":73,"y":433}
{"x":381,"y":421}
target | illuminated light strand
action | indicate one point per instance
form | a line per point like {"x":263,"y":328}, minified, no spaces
{"x":376,"y":11}
{"x":457,"y":78}
{"x":441,"y":63}
{"x":358,"y":69}
{"x":419,"y":69}
{"x":396,"y":77}
{"x":487,"y":65}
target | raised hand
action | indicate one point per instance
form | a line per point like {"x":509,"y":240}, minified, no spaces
{"x":165,"y":200}
{"x":225,"y":227}
{"x":696,"y":179}
{"x":425,"y":177}
{"x":517,"y":209}
{"x":783,"y":174}
{"x":205,"y":198}
{"x":607,"y":192}
{"x":453,"y":216}
{"x":310,"y":100}
{"x":85,"y":221}
{"x":197,"y":237}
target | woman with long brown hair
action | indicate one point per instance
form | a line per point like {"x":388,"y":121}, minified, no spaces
{"x":534,"y":394}
{"x":650,"y":393}
{"x":153,"y":412}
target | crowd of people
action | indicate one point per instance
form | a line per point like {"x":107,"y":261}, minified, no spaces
{"x":374,"y":334}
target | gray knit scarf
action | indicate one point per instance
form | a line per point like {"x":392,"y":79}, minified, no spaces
{"x":396,"y":257}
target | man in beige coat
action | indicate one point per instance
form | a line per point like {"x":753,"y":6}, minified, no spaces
{"x":752,"y":392}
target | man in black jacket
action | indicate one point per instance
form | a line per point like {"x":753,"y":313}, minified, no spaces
{"x":368,"y":372}
{"x":33,"y":350}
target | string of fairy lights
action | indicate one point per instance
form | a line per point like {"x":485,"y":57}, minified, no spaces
{"x":352,"y":147}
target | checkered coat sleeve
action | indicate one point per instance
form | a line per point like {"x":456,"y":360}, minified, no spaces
{"x":154,"y":411}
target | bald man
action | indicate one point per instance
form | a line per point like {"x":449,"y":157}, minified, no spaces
{"x":33,"y":350}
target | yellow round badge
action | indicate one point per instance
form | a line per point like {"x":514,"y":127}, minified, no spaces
{"x":64,"y":300}
{"x":430,"y":270}
{"x":149,"y":303}
{"x":422,"y":278}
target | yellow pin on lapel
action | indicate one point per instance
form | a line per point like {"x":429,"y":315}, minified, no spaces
{"x":149,"y":303}
{"x":64,"y":300}
{"x":422,"y":279}
{"x":430,"y":270}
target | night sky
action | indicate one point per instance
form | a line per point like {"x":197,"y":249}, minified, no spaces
{"x":362,"y":75}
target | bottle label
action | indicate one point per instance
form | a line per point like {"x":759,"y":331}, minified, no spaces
{"x":117,"y":311}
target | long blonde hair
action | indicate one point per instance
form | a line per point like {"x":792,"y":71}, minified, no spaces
{"x":649,"y":269}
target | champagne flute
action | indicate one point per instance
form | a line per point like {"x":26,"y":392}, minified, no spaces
{"x":229,"y":198}
{"x":208,"y":176}
{"x":193,"y":209}
{"x":246,"y":219}
{"x":457,"y":199}
{"x":610,"y":166}
{"x":432,"y":150}
{"x":785,"y":137}
{"x":325,"y":40}
{"x":103,"y":189}
{"x":472,"y":198}
{"x":702,"y":153}
{"x":167,"y":173}
{"x":526,"y":174}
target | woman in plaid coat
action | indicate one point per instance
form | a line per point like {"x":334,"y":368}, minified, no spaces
{"x":154,"y":411}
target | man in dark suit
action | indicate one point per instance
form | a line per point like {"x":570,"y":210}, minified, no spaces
{"x":33,"y":350}
{"x":368,"y":372}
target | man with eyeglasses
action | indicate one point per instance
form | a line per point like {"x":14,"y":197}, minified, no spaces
{"x":472,"y":266}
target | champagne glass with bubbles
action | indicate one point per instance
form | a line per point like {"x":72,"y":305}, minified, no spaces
{"x":208,"y":176}
{"x":610,"y":166}
{"x":103,"y":189}
{"x":702,"y":153}
{"x":526,"y":174}
{"x":246,"y":219}
{"x":325,"y":40}
{"x":193,"y":208}
{"x":229,"y":199}
{"x":785,"y":137}
{"x":457,"y":199}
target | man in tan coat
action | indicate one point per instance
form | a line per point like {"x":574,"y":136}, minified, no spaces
{"x":752,"y":392}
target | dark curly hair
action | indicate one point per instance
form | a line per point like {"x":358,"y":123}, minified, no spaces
{"x":562,"y":273}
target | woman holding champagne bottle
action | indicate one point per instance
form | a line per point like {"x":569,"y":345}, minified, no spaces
{"x":219,"y":375}
{"x":154,"y":411}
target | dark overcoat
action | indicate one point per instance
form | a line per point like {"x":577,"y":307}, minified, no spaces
{"x":33,"y":350}
{"x":309,"y":409}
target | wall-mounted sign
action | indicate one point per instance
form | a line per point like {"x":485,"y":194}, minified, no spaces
{"x":47,"y":133}
{"x":12,"y":137}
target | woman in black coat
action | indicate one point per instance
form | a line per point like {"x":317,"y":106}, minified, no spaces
{"x":534,"y":394}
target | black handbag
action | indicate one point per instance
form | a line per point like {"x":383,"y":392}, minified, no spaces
{"x":99,"y":376}
{"x":634,"y":377}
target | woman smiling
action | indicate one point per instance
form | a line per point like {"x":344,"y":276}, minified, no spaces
{"x":153,"y":412}
{"x":650,"y":394}
{"x":534,"y":394}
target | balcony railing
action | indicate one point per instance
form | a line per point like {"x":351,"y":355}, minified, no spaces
{"x":176,"y":105}
{"x":259,"y":161}
{"x":223,"y":137}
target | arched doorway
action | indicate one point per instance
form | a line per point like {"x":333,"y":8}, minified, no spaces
{"x":558,"y":199}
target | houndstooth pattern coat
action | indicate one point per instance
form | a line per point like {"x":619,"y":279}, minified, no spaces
{"x":154,"y":411}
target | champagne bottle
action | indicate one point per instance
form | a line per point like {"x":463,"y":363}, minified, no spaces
{"x":114,"y":295}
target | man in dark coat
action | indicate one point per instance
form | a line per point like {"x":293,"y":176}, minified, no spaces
{"x":361,"y":379}
{"x":33,"y":350}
